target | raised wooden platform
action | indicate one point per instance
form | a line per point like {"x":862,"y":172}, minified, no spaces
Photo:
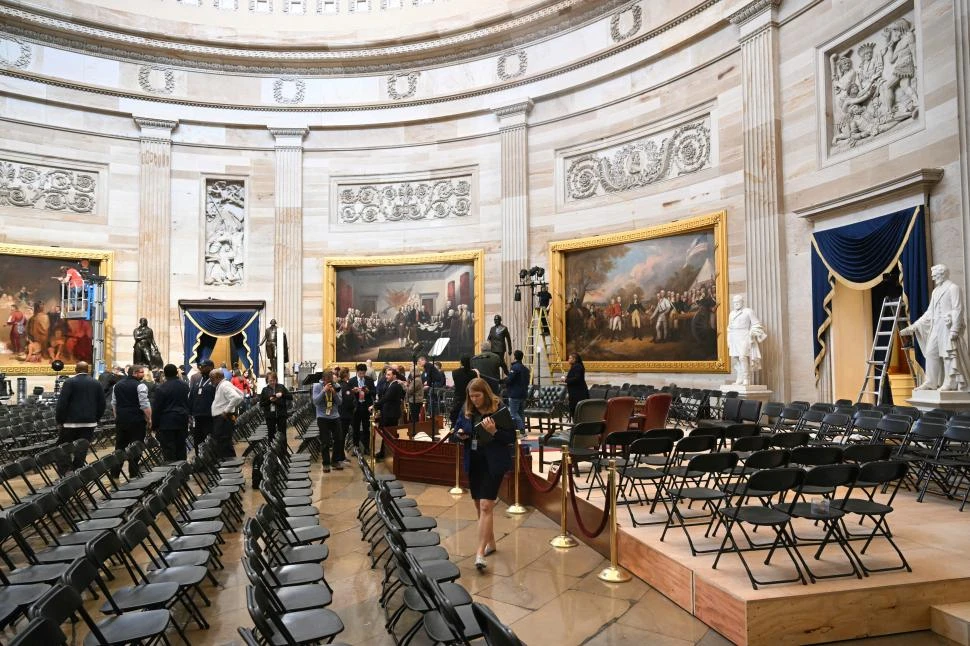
{"x":931,"y":534}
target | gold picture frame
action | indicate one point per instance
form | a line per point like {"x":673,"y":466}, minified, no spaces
{"x":696,"y":235}
{"x":104,"y":260}
{"x":474,"y":258}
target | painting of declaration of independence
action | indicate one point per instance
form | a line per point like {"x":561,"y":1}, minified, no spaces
{"x":645,"y":300}
{"x":35,"y":333}
{"x":383,"y":312}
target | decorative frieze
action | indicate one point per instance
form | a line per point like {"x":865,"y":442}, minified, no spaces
{"x":394,"y":90}
{"x":155,"y":79}
{"x":512,"y":64}
{"x":289,"y":91}
{"x":872,"y":82}
{"x":14,"y":52}
{"x":48,"y":188}
{"x":225,"y":231}
{"x":626,"y":23}
{"x":639,"y":162}
{"x":405,"y":201}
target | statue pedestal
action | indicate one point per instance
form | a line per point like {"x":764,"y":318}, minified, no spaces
{"x":930,"y":399}
{"x":751,"y":391}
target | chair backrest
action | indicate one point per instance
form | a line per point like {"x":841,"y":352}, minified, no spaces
{"x":656,"y":410}
{"x":618,"y":412}
{"x":741,"y":430}
{"x":732,"y":409}
{"x":590,"y":410}
{"x":811,"y":456}
{"x":750,"y":410}
{"x":674,"y":434}
{"x":39,"y":631}
{"x":767,"y":459}
{"x":774,"y":481}
{"x":823,"y":406}
{"x":496,"y":633}
{"x":831,"y":475}
{"x":791,"y":439}
{"x":696,"y":444}
{"x":751,"y":443}
{"x":717,"y":464}
{"x":862,"y":453}
{"x":621,"y":440}
{"x":651,"y":446}
{"x":883,"y":471}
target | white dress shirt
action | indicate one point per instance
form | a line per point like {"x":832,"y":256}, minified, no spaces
{"x":227,"y":399}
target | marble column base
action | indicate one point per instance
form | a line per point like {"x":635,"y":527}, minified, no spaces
{"x":751,"y":391}
{"x":930,"y":399}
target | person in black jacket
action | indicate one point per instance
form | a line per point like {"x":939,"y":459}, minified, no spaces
{"x":274,"y":399}
{"x":201,"y":393}
{"x":170,"y":420}
{"x":360,"y":392}
{"x":461,"y":377}
{"x":133,"y":414}
{"x":575,"y":381}
{"x":79,"y":408}
{"x":392,"y":399}
{"x":517,"y":385}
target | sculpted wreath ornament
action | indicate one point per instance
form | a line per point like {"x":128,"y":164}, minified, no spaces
{"x":640,"y":163}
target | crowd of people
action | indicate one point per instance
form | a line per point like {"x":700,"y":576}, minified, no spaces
{"x":411,"y":323}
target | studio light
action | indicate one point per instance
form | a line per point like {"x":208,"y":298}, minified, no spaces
{"x":518,"y":294}
{"x":523,"y":274}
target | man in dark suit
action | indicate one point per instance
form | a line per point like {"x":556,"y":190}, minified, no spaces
{"x":170,"y":420}
{"x":489,"y":366}
{"x":201,"y":393}
{"x":361,"y":389}
{"x":433,"y":380}
{"x":79,"y":408}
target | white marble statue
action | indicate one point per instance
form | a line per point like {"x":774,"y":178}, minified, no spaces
{"x":744,"y":334}
{"x":938,"y":333}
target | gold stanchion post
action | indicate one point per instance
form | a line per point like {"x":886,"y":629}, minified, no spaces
{"x":564,"y":540}
{"x":373,"y":446}
{"x":457,"y":490}
{"x":517,"y":508}
{"x":613,"y":574}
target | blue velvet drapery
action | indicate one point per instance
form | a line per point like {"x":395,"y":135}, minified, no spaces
{"x":203,"y":327}
{"x":858,"y":255}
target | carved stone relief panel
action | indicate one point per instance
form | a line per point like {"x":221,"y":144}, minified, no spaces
{"x":871,"y":82}
{"x":289,"y":91}
{"x":155,"y":79}
{"x":639,"y":161}
{"x":405,"y":198}
{"x":225,"y":231}
{"x":626,"y":23}
{"x":14,"y":52}
{"x":48,"y":188}
{"x":512,"y":64}
{"x":398,"y":90}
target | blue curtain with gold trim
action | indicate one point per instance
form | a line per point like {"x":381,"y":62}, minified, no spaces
{"x":859,"y":254}
{"x":203,"y":327}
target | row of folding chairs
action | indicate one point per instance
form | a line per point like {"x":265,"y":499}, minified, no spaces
{"x":283,"y":555}
{"x":419,"y":579}
{"x":113,"y":529}
{"x":760,"y":482}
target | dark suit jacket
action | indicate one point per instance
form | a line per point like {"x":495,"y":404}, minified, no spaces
{"x":81,"y":401}
{"x":391,"y":401}
{"x":171,"y":408}
{"x":496,"y":452}
{"x":576,"y":386}
{"x":369,"y":387}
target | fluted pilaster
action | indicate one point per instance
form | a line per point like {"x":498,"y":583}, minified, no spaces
{"x":155,"y":227}
{"x":961,"y":14}
{"x":763,"y":220}
{"x":287,"y":305}
{"x":514,"y":134}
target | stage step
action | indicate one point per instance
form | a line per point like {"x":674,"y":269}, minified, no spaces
{"x":952,"y":620}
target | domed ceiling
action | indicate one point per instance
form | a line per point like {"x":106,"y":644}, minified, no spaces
{"x":330,"y":35}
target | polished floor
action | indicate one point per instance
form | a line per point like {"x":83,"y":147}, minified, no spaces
{"x":548,"y":596}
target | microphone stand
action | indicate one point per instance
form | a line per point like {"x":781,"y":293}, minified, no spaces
{"x":414,"y":394}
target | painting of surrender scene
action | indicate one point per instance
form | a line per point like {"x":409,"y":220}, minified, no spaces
{"x":35,"y":332}
{"x":646,"y":300}
{"x":386,"y":310}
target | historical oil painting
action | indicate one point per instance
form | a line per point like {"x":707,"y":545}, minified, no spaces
{"x":39,"y":286}
{"x":646,"y":300}
{"x":389,"y":309}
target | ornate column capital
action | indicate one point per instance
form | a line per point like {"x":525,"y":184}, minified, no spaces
{"x":755,"y":16}
{"x":289,"y":137}
{"x":513,"y":115}
{"x":156,"y":129}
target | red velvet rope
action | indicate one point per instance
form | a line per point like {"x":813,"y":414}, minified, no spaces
{"x":411,"y":454}
{"x":543,"y":486}
{"x":579,"y":518}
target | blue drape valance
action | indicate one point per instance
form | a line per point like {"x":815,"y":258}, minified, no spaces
{"x":203,"y":327}
{"x":859,"y":254}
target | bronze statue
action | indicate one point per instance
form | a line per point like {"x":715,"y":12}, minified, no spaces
{"x":500,"y":340}
{"x":146,"y":352}
{"x":270,"y":339}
